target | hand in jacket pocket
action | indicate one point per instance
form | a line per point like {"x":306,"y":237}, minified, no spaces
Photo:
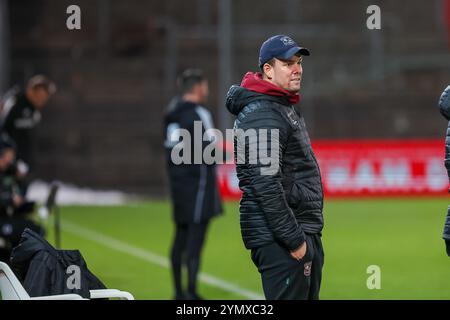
{"x":300,"y":252}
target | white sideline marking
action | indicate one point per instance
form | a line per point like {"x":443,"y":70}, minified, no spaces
{"x":153,"y":258}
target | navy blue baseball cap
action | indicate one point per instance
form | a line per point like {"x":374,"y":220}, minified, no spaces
{"x":281,"y":47}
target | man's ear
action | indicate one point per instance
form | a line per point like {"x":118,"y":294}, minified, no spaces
{"x":268,"y":71}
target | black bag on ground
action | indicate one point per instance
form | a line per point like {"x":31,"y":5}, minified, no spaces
{"x":45,"y":271}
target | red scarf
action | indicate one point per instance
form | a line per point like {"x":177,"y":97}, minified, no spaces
{"x":254,"y":82}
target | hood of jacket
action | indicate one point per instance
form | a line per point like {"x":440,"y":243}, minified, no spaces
{"x":30,"y":244}
{"x":253,"y":88}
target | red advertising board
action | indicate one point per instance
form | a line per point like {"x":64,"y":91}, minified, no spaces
{"x":370,"y":168}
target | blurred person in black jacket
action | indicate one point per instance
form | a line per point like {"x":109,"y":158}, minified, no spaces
{"x":20,"y":114}
{"x":444,"y":105}
{"x":193,"y":187}
{"x":14,"y":208}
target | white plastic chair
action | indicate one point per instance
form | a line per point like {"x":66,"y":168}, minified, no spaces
{"x":12,"y":289}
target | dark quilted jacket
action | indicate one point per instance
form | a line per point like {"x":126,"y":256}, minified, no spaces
{"x":288,"y":203}
{"x":447,"y":151}
{"x":444,"y":106}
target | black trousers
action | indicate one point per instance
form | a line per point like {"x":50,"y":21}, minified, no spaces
{"x":186,"y":251}
{"x":285,"y":278}
{"x":446,"y":234}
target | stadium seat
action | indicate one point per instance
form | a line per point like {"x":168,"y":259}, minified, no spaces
{"x":12,"y":289}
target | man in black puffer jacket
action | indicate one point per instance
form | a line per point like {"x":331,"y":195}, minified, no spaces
{"x":444,"y":105}
{"x":282,"y":201}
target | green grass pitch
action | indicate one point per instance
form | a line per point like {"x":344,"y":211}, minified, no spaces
{"x":127,"y":248}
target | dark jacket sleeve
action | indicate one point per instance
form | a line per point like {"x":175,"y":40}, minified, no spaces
{"x":446,"y":234}
{"x":447,"y":151}
{"x":266,"y":184}
{"x":9,"y":122}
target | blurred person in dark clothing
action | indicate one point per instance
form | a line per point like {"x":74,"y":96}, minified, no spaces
{"x":14,"y":209}
{"x":193,"y":187}
{"x":444,"y":105}
{"x":20,"y":114}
